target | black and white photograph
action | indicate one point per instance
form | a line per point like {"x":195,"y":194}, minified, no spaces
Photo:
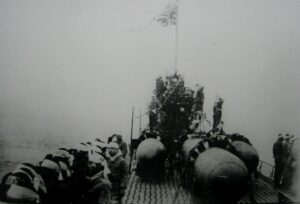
{"x":149,"y":101}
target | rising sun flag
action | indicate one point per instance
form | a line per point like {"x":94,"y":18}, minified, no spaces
{"x":168,"y":16}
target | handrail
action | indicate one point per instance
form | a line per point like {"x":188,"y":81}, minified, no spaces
{"x":267,"y":163}
{"x":260,"y":167}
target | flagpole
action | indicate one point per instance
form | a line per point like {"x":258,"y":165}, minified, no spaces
{"x":176,"y":38}
{"x":131,"y":124}
{"x":131,"y":148}
{"x":140,"y":129}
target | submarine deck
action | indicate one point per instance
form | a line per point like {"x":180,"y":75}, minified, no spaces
{"x":169,"y":191}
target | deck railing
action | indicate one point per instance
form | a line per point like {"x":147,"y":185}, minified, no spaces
{"x":266,"y":169}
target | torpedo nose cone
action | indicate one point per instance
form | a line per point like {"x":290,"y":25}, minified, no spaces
{"x":220,"y":175}
{"x":247,"y":154}
{"x":150,"y":158}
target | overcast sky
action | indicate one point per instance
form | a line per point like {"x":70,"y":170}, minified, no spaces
{"x":74,"y":69}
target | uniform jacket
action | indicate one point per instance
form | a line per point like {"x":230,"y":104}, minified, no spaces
{"x":278,"y":150}
{"x":119,"y":170}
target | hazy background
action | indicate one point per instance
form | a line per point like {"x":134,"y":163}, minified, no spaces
{"x":72,"y":70}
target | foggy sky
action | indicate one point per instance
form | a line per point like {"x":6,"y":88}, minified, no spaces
{"x":73,"y":70}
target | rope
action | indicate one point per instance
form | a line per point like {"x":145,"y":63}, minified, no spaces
{"x":146,"y":26}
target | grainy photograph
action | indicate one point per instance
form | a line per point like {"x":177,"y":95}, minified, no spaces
{"x":149,"y":101}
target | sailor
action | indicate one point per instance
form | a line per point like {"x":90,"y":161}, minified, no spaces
{"x":23,"y":185}
{"x":54,"y":164}
{"x":122,"y":145}
{"x":64,"y":160}
{"x":286,"y":146}
{"x":217,"y":112}
{"x":204,"y":125}
{"x":79,"y":169}
{"x":220,"y":128}
{"x":109,"y":139}
{"x":198,"y":98}
{"x":160,"y":88}
{"x":196,"y":121}
{"x":119,"y":171}
{"x":61,"y":163}
{"x":99,"y":186}
{"x":290,"y":164}
{"x":278,"y":153}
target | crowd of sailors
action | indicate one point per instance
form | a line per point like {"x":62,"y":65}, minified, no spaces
{"x":285,"y":160}
{"x":93,"y":172}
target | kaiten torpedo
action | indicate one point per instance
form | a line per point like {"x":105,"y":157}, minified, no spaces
{"x":220,"y":176}
{"x":217,"y":173}
{"x":247,"y":153}
{"x":150,"y":156}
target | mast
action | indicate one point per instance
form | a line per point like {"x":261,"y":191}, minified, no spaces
{"x":131,"y":124}
{"x":176,"y":37}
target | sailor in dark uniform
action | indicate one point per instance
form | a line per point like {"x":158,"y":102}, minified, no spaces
{"x":217,"y":112}
{"x":278,"y":153}
{"x":119,"y":171}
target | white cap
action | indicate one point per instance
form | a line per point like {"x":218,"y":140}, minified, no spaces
{"x":100,"y":144}
{"x":50,"y":165}
{"x":96,"y":149}
{"x":62,"y":153}
{"x":82,"y":147}
{"x":113,"y":145}
{"x":96,"y":158}
{"x":114,"y":140}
